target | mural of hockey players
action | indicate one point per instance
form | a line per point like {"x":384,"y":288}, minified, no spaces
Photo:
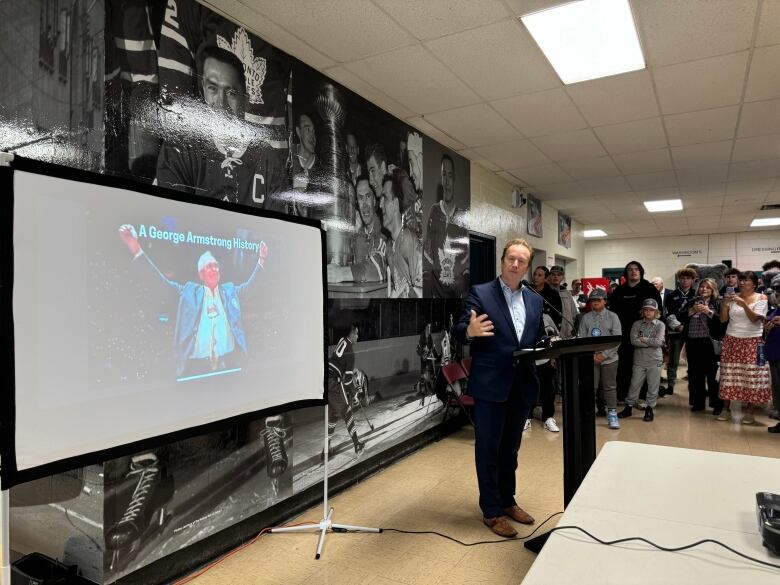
{"x":186,"y":26}
{"x":354,"y":168}
{"x":228,"y":161}
{"x":429,"y":358}
{"x":369,"y":245}
{"x":404,"y":251}
{"x":303,"y":160}
{"x":446,"y":237}
{"x":341,"y":391}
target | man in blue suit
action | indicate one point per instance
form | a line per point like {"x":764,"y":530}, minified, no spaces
{"x":500,"y":317}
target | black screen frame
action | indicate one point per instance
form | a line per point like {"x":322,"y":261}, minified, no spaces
{"x":10,"y":475}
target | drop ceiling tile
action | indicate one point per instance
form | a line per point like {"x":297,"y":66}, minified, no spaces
{"x":367,"y":91}
{"x":563,"y":190}
{"x":271,"y":32}
{"x":749,"y":187}
{"x":769,"y":24}
{"x":668,"y":35}
{"x":615,"y":99}
{"x":606,"y":186}
{"x":510,"y":155}
{"x":700,"y":155}
{"x":694,"y":212}
{"x":650,"y":161}
{"x":699,"y":85}
{"x":702,"y":175}
{"x":433,"y":132}
{"x":759,"y":169}
{"x":646,"y":181}
{"x":496,"y":61}
{"x":702,"y":126}
{"x":759,"y":118}
{"x":428,"y":20}
{"x":540,"y":113}
{"x":570,"y":145}
{"x":428,"y":86}
{"x":757,"y":148}
{"x":591,"y":168}
{"x":743,"y":202}
{"x":476,"y":125}
{"x":703,"y":190}
{"x":371,"y":31}
{"x":764,"y":77}
{"x":542,"y":174}
{"x":523,"y":7}
{"x":632,"y":136}
{"x":487,"y":164}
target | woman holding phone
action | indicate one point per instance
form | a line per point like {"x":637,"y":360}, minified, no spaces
{"x":702,"y":359}
{"x":741,"y":376}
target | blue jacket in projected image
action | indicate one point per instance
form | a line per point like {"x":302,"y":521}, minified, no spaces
{"x":191,"y":296}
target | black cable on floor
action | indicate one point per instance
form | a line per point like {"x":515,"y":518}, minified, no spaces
{"x":460,"y":542}
{"x":595,"y":538}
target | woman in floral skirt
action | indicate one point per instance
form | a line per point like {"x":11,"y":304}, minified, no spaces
{"x":741,"y":378}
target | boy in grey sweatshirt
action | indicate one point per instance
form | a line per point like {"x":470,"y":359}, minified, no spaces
{"x":647,"y":337}
{"x":602,"y":322}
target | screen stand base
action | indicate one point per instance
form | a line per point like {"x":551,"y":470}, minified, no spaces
{"x":326,"y":524}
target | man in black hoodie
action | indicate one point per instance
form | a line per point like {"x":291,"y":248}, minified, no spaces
{"x":626,"y":302}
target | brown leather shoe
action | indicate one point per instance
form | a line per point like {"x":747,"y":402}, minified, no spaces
{"x":501,"y":526}
{"x":517,"y":514}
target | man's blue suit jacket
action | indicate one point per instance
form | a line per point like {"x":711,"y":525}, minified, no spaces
{"x":492,"y":365}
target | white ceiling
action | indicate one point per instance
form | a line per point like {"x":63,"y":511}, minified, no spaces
{"x":702,"y":122}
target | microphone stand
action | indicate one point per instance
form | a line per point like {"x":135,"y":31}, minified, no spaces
{"x":527,"y":284}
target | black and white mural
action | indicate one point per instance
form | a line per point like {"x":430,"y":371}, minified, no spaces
{"x":174,"y":94}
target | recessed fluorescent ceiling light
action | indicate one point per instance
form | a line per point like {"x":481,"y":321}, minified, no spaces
{"x":595,"y":233}
{"x":666,"y":205}
{"x":764,"y":221}
{"x":587,"y":39}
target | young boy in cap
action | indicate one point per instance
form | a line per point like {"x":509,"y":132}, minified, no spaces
{"x":647,"y":337}
{"x":599,"y":322}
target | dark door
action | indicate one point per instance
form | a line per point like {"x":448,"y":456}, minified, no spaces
{"x":482,"y":257}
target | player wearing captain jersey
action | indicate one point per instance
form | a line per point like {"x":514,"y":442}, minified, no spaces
{"x":229,"y":163}
{"x":341,"y":367}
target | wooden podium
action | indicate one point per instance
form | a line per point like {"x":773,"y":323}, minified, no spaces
{"x":575,"y":362}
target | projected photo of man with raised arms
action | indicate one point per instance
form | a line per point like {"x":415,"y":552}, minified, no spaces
{"x":208,"y":321}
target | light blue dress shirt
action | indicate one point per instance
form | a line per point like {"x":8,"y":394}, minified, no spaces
{"x":514,"y":301}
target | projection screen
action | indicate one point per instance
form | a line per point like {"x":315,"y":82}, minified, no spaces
{"x":136,"y":316}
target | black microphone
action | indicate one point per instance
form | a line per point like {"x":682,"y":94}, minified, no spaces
{"x":527,"y":284}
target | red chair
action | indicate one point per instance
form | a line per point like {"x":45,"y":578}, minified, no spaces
{"x":453,"y":373}
{"x":466,"y":364}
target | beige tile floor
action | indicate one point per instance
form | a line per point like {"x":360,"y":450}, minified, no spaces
{"x":435,"y":489}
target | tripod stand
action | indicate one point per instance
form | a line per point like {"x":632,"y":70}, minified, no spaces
{"x":326,"y":524}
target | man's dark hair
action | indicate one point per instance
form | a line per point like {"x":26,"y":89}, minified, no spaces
{"x":397,"y":191}
{"x":449,"y":158}
{"x":749,"y":275}
{"x":770,"y":264}
{"x":638,"y":265}
{"x":352,"y":327}
{"x":210,"y":51}
{"x":377,"y":151}
{"x":732,"y":271}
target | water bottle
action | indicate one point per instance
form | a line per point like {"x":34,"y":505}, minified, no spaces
{"x":760,"y":357}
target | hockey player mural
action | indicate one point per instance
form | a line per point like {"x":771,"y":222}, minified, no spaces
{"x":198,"y":104}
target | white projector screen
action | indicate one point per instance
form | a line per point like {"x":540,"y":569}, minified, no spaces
{"x":136,"y":316}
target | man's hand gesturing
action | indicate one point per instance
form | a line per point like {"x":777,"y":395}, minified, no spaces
{"x":128,"y":236}
{"x":480,"y":326}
